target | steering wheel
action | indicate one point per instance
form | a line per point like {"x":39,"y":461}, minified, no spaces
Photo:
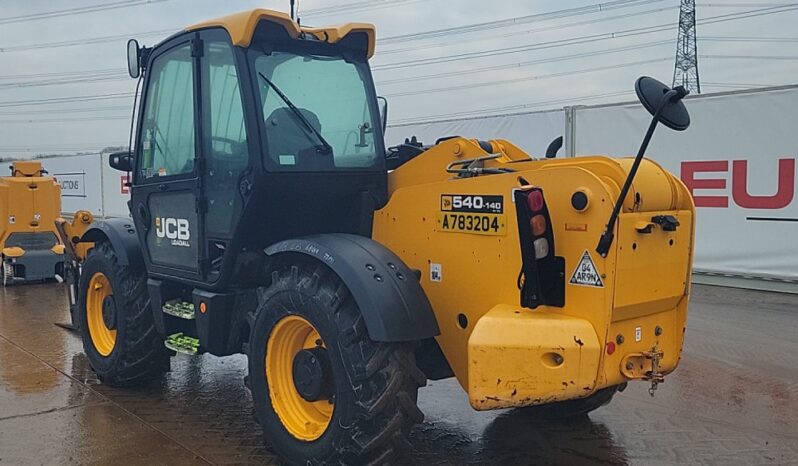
{"x":231,"y":142}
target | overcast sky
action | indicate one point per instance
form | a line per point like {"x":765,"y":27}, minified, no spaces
{"x":557,"y":59}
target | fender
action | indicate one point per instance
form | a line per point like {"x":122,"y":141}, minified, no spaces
{"x":121,"y":233}
{"x":388,"y":293}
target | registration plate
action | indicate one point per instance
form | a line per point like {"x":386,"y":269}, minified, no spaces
{"x":478,"y":224}
{"x":475,"y":214}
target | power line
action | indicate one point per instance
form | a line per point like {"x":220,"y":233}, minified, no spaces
{"x":740,"y":5}
{"x":60,"y":100}
{"x":748,"y":39}
{"x":66,"y":120}
{"x":68,"y":147}
{"x":512,"y":66}
{"x":751,"y":57}
{"x":51,"y":111}
{"x":75,"y":42}
{"x":53,"y":82}
{"x":362,"y":5}
{"x":506,"y":109}
{"x":77,"y":10}
{"x":527,"y":78}
{"x":632,"y":32}
{"x":502,"y":23}
{"x":117,"y":76}
{"x":728,"y":17}
{"x":355,"y":6}
{"x":737,"y":85}
{"x":579,"y":40}
{"x":382,"y":53}
{"x":335,"y":9}
{"x":59,"y":73}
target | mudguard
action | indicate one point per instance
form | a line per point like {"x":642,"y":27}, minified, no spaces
{"x":388,"y":293}
{"x":121,"y":233}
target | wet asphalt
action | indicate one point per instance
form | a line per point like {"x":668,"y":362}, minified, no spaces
{"x":733,"y":400}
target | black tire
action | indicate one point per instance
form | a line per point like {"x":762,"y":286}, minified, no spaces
{"x":572,"y":408}
{"x":4,"y":267}
{"x":138,"y":355}
{"x":375,"y":384}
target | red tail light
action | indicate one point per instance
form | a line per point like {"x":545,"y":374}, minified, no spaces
{"x":535,"y":201}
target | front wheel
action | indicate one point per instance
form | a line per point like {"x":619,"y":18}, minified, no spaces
{"x":116,"y":324}
{"x":323,"y":391}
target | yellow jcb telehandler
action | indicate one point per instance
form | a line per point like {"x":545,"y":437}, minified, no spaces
{"x":268,"y":218}
{"x":30,"y":201}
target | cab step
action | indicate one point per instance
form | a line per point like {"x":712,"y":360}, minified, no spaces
{"x":182,"y":344}
{"x":179,"y":309}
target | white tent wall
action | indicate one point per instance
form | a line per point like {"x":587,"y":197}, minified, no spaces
{"x":115,"y":192}
{"x":532,"y":132}
{"x":81,"y":180}
{"x":739,"y":159}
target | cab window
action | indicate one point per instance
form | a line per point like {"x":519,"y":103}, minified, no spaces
{"x":330,"y":98}
{"x":168,"y":145}
{"x":226,"y":140}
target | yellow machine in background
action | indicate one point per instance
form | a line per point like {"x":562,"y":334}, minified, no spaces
{"x":30,"y":202}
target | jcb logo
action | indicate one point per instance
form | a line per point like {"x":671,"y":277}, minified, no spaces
{"x":174,"y":229}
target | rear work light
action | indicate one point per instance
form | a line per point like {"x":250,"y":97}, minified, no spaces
{"x":541,"y":248}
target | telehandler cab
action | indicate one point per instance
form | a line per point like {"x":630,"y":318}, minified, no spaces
{"x":267,"y":218}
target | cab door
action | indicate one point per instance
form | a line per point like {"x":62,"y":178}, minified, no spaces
{"x":166,"y":184}
{"x":227,"y":175}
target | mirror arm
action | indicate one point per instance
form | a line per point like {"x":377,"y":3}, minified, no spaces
{"x":607,"y":237}
{"x":144,"y":56}
{"x":385,"y":115}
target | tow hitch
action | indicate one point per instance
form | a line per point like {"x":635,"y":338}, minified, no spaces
{"x":644,"y":366}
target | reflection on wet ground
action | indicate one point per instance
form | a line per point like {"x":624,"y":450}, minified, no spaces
{"x":733,"y":400}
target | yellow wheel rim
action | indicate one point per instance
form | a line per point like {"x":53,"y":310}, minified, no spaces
{"x":305,"y":420}
{"x":102,"y":337}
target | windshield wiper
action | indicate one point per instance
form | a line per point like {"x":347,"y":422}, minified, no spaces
{"x":326,"y":148}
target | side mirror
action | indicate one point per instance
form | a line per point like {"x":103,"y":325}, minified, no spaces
{"x":665,"y":106}
{"x":133,"y":58}
{"x":383,"y":113}
{"x":121,"y":161}
{"x":654,"y":94}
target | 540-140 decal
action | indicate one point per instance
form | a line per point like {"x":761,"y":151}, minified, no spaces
{"x":474,"y":214}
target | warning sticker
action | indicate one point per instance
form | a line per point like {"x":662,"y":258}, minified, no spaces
{"x":435,"y":272}
{"x":586,"y":273}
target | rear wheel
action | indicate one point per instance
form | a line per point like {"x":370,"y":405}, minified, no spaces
{"x":323,"y":391}
{"x":116,"y":324}
{"x":573,"y":408}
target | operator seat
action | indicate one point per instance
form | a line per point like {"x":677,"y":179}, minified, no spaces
{"x":291,"y":145}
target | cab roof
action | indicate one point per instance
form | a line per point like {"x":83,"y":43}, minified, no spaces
{"x":241,"y":27}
